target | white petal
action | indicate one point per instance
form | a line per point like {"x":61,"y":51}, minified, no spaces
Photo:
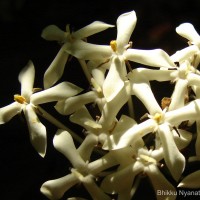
{"x":64,"y":143}
{"x":52,"y":33}
{"x":91,"y":29}
{"x":184,"y":54}
{"x":160,"y":183}
{"x":193,"y":79}
{"x":37,"y":130}
{"x":182,"y":138}
{"x":72,"y":104}
{"x":86,"y":148}
{"x":55,"y":189}
{"x":111,"y":108}
{"x":101,"y":164}
{"x":191,"y":181}
{"x":146,"y":96}
{"x":59,"y":92}
{"x":188,"y":31}
{"x":175,"y":161}
{"x":9,"y":111}
{"x":87,"y":51}
{"x":113,"y":182}
{"x":114,"y":81}
{"x":117,"y":141}
{"x":26,"y":78}
{"x":188,"y":112}
{"x":83,"y":118}
{"x":150,"y":74}
{"x":99,"y":75}
{"x":154,"y":58}
{"x":178,"y":95}
{"x":95,"y":192}
{"x":121,"y":127}
{"x":125,"y":26}
{"x":56,"y":68}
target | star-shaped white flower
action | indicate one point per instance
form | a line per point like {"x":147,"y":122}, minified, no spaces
{"x":28,"y":102}
{"x":52,"y":32}
{"x":82,"y":171}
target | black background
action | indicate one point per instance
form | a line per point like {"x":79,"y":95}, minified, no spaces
{"x":22,"y":171}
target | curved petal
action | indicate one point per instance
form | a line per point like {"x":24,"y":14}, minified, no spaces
{"x":72,"y":104}
{"x":146,"y":96}
{"x":91,"y":29}
{"x":191,"y":181}
{"x":160,"y":184}
{"x":64,"y":143}
{"x":37,"y":130}
{"x":52,"y":32}
{"x":184,"y":54}
{"x":9,"y":111}
{"x":178,"y":95}
{"x":153,"y":58}
{"x":117,"y":141}
{"x":87,"y":51}
{"x":95,"y":191}
{"x":83,"y":118}
{"x":175,"y":161}
{"x":99,"y":75}
{"x":188,"y":112}
{"x":121,"y":127}
{"x":86,"y":148}
{"x":111,"y":108}
{"x":114,"y":81}
{"x":193,"y":79}
{"x":26,"y":78}
{"x":183,"y":139}
{"x":150,"y":74}
{"x":55,"y":189}
{"x":101,"y":164}
{"x":188,"y":31}
{"x":112,"y":183}
{"x":125,"y":26}
{"x":59,"y":92}
{"x":56,"y":68}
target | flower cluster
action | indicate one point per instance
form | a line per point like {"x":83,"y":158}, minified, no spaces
{"x":125,"y":147}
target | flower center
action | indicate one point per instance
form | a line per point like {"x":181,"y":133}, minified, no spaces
{"x":113,"y":45}
{"x":157,"y":117}
{"x":20,"y":99}
{"x":147,"y":159}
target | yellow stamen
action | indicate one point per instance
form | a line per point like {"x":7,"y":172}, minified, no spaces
{"x":19,"y":99}
{"x":148,"y":159}
{"x":113,"y":45}
{"x":157,"y":117}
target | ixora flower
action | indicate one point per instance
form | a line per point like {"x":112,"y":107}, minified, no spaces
{"x":52,"y":32}
{"x":136,"y":162}
{"x":83,"y":171}
{"x":162,"y":124}
{"x":120,"y":48}
{"x":28,"y":102}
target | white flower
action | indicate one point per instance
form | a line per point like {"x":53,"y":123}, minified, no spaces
{"x":52,"y":32}
{"x":137,"y":160}
{"x":82,"y":171}
{"x":119,"y":48}
{"x":28,"y":102}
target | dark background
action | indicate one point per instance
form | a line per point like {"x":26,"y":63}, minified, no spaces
{"x":22,"y":171}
